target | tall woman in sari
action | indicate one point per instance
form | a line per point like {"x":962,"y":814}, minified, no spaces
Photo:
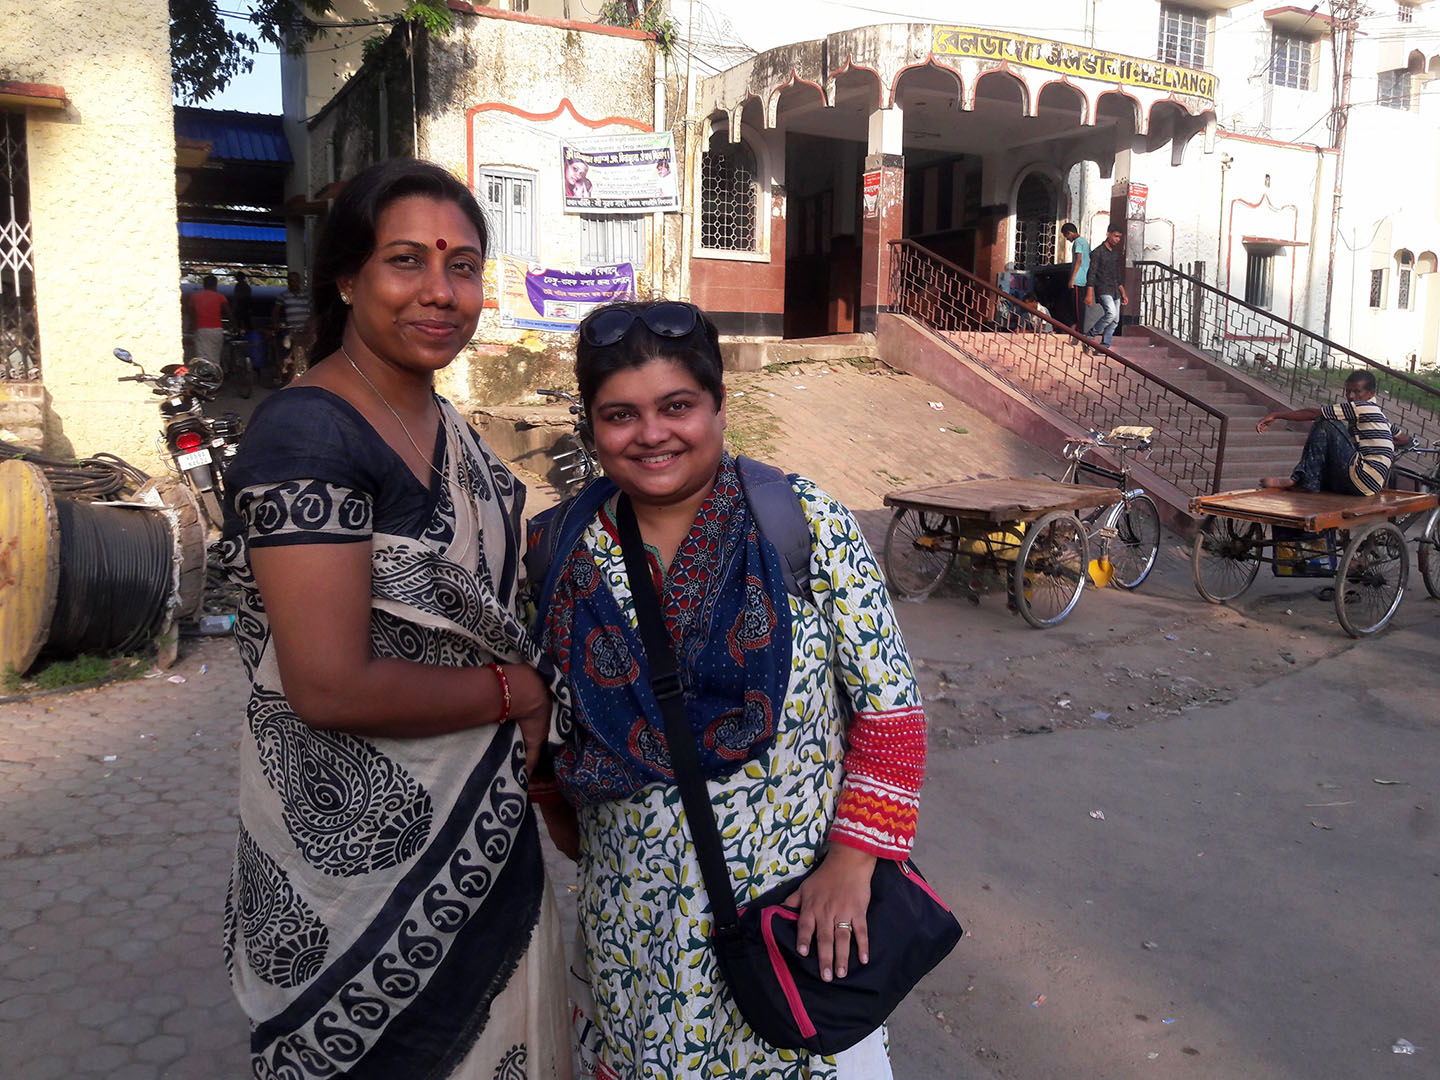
{"x":388,"y":913}
{"x":805,"y":709}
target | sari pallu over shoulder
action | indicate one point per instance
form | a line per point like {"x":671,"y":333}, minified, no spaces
{"x":384,"y":889}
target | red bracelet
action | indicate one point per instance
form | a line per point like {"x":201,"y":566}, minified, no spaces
{"x":504,"y":692}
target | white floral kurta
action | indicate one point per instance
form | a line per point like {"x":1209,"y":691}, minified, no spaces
{"x":644,"y":915}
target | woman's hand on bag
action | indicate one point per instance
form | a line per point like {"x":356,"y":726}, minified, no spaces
{"x":837,"y":892}
{"x":530,"y":709}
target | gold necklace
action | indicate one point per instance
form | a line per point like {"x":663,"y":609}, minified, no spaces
{"x":427,"y":458}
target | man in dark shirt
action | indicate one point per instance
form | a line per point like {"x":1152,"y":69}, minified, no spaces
{"x":1107,"y":267}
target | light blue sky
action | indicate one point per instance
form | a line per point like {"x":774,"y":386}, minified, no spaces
{"x":259,"y":91}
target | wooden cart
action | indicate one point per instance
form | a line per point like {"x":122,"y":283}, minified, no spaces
{"x":1350,"y":538}
{"x":1026,"y":530}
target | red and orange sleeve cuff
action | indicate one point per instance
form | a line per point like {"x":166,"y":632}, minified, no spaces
{"x":880,"y":800}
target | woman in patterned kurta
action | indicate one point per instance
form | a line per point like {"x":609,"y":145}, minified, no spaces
{"x":388,"y":913}
{"x":806,"y":713}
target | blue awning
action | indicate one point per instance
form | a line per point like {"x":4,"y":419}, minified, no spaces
{"x":208,"y":231}
{"x":235,"y":136}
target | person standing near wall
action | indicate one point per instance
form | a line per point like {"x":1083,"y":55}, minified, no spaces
{"x":1079,"y":270}
{"x":210,"y":310}
{"x":1106,"y":286}
{"x":292,"y":323}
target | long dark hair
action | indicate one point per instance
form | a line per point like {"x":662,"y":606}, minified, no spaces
{"x":348,"y":238}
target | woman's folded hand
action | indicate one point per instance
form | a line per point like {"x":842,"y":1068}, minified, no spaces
{"x":833,"y":901}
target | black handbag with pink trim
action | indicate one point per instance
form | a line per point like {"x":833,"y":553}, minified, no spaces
{"x":779,"y":992}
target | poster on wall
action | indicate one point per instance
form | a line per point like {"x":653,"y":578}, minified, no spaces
{"x":620,"y":174}
{"x":1136,"y":196}
{"x":870,"y":194}
{"x":543,"y":298}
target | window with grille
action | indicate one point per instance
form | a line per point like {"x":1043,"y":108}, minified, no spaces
{"x":509,"y":201}
{"x":729,"y":197}
{"x":610,"y":239}
{"x":1290,"y":61}
{"x":519,"y":5}
{"x":1405,"y":12}
{"x":1035,"y":222}
{"x":1377,"y":288}
{"x":19,"y":329}
{"x":1393,"y":90}
{"x":1402,"y":298}
{"x":1259,"y":279}
{"x":1183,"y":33}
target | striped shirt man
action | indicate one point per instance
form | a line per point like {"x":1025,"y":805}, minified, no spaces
{"x":1374,"y":439}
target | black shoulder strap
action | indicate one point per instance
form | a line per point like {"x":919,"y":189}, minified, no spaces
{"x":680,"y":740}
{"x":780,"y":519}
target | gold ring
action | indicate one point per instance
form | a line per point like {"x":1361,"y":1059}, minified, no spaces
{"x":842,"y":925}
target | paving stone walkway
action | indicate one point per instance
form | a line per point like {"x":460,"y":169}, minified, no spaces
{"x":117,"y":827}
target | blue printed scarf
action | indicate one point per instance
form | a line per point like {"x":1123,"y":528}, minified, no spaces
{"x":728,"y":614}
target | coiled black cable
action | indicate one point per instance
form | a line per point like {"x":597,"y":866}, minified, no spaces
{"x":114,"y":577}
{"x":100,"y":477}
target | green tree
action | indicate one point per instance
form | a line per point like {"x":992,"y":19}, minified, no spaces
{"x":205,"y":54}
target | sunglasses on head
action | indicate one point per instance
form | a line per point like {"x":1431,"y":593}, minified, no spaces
{"x":671,"y":319}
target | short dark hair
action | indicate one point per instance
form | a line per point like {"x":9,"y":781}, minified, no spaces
{"x":1362,"y":378}
{"x":1112,"y":227}
{"x":698,"y":353}
{"x":348,"y":239}
{"x":1069,"y":227}
{"x":210,"y":281}
{"x":239,"y":275}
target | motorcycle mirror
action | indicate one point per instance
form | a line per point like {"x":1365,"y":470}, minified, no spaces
{"x":124,"y":356}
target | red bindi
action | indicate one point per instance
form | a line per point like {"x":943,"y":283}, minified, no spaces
{"x":441,"y":244}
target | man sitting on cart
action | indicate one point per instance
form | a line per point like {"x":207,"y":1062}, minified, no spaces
{"x":1351,"y":445}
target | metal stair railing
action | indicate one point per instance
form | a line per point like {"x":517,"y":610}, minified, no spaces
{"x":1083,"y":382}
{"x":1302,"y":366}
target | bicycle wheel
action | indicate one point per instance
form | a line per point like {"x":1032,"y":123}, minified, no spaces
{"x":1428,"y":554}
{"x":1132,"y":540}
{"x":1050,"y":568}
{"x":1226,"y":557}
{"x":1370,"y":580}
{"x":237,"y":367}
{"x":919,"y":551}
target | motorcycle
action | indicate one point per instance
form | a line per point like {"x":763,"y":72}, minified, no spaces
{"x":197,"y":447}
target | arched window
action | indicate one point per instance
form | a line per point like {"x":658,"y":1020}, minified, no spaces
{"x":1035,"y":221}
{"x":729,"y":197}
{"x":1404,"y":266}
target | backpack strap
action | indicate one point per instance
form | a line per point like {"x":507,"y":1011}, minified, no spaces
{"x":781,"y":520}
{"x":555,"y":532}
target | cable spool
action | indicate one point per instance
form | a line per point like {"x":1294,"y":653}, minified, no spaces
{"x":74,"y":576}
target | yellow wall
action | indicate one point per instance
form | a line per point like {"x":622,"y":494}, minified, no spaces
{"x":102,"y":210}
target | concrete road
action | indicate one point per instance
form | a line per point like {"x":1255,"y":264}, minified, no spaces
{"x":1253,"y":904}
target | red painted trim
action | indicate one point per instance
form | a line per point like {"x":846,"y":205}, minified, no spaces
{"x":1064,"y":80}
{"x":566,"y":105}
{"x":929,"y":61}
{"x":561,"y":24}
{"x":44,"y":95}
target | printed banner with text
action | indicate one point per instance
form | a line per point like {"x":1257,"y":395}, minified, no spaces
{"x":541,"y":298}
{"x":620,"y":174}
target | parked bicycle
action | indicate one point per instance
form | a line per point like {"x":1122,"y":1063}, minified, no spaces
{"x":1424,"y":475}
{"x":238,"y":370}
{"x":1124,"y":537}
{"x":576,"y":462}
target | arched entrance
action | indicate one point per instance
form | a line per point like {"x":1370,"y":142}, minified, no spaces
{"x":1037,"y":219}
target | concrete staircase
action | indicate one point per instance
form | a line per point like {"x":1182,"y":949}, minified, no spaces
{"x":1249,"y":455}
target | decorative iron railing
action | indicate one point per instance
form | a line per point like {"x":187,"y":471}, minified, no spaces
{"x":19,"y":332}
{"x":1054,"y":367}
{"x":1300,"y":365}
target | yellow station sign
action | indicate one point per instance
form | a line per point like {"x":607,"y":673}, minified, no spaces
{"x":1067,"y":59}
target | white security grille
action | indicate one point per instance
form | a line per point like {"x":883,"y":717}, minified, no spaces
{"x":729,"y":198}
{"x":1393,"y":89}
{"x":610,"y":239}
{"x":1290,"y":58}
{"x":509,"y":201}
{"x":1035,"y":221}
{"x":19,"y":332}
{"x":1182,"y":36}
{"x":1259,"y":279}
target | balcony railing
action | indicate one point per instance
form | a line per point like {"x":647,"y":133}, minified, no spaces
{"x":1088,"y":385}
{"x":1299,"y":365}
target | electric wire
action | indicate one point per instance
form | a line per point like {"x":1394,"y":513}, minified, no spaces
{"x":114,"y":577}
{"x":100,"y":477}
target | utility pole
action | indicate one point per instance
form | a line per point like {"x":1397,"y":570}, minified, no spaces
{"x":1346,"y":24}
